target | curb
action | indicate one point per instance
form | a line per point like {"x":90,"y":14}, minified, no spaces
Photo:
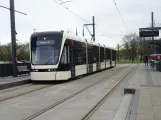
{"x":14,"y":84}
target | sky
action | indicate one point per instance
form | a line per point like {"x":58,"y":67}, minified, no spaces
{"x":47,"y":15}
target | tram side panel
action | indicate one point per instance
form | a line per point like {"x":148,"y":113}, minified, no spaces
{"x":97,"y":58}
{"x":102,"y":58}
{"x":95,"y":51}
{"x":114,"y":57}
{"x":66,"y":67}
{"x":76,"y":58}
{"x":111,"y":57}
{"x":108,"y":58}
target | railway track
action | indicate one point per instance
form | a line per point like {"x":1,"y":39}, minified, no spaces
{"x":92,"y":111}
{"x":29,"y":88}
{"x":6,"y":95}
{"x":77,"y":93}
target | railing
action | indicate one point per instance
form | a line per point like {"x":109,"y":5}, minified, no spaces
{"x":156,"y":65}
{"x":6,"y":68}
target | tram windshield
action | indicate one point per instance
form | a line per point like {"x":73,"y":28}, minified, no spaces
{"x":45,"y":50}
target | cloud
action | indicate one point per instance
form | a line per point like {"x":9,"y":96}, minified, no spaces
{"x":46,"y":15}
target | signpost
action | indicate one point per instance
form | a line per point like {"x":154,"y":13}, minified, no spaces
{"x":149,"y":33}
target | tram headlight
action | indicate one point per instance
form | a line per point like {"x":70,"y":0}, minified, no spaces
{"x":50,"y":70}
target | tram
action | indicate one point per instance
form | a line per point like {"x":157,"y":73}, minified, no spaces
{"x":61,"y":56}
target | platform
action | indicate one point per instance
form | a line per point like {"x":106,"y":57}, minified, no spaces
{"x":8,"y":82}
{"x":146,"y":103}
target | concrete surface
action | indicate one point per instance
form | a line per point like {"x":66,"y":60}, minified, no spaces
{"x":109,"y":108}
{"x":26,"y":105}
{"x":9,"y":82}
{"x":123,"y":109}
{"x":20,"y":90}
{"x":78,"y":106}
{"x":146,"y":104}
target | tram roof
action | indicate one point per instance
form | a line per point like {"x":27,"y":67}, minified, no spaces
{"x":47,"y":33}
{"x":70,"y":36}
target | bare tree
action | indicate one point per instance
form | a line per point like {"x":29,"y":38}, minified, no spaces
{"x":131,"y":45}
{"x":126,"y":44}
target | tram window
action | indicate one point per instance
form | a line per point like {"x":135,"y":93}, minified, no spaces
{"x":102,"y":54}
{"x":108,"y":54}
{"x":113,"y":55}
{"x":97,"y":54}
{"x":80,"y":53}
{"x":68,"y":53}
{"x":94,"y":51}
{"x":64,"y":56}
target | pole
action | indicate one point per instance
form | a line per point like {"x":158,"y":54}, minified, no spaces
{"x":153,"y":37}
{"x":93,"y":29}
{"x":118,"y":53}
{"x":8,"y":52}
{"x":13,"y":38}
{"x":0,"y":53}
{"x":144,"y":45}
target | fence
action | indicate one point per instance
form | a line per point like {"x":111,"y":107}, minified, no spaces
{"x":6,"y":68}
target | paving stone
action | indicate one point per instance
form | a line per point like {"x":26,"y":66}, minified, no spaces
{"x":157,"y":109}
{"x":157,"y":116}
{"x":156,"y":100}
{"x":143,"y":110}
{"x":144,"y":100}
{"x":147,"y":106}
{"x":144,"y":117}
{"x":144,"y":91}
{"x":156,"y":91}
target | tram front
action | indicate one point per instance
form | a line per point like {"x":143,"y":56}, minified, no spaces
{"x":45,"y":49}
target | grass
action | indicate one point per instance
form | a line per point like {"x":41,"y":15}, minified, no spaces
{"x":128,"y":62}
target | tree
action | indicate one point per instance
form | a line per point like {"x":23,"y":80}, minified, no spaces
{"x":21,"y":49}
{"x":130,"y":44}
{"x":123,"y":54}
{"x":136,"y":46}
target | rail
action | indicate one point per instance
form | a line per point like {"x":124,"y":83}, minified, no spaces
{"x":69,"y":97}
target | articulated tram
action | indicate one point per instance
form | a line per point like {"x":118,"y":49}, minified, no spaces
{"x":62,"y":56}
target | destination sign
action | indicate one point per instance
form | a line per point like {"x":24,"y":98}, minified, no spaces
{"x":149,"y":33}
{"x":45,"y":42}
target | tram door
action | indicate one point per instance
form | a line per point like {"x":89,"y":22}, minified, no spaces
{"x":72,"y":60}
{"x":97,"y":59}
{"x":90,"y":59}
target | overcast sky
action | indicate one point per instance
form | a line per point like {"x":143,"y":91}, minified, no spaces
{"x":46,"y":15}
